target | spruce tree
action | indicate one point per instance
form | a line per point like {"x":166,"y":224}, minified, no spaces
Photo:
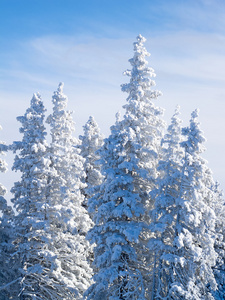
{"x":34,"y":255}
{"x":129,"y":157}
{"x":219,"y":268}
{"x":7,"y":271}
{"x":184,"y":220}
{"x":91,"y":142}
{"x":165,"y":211}
{"x":69,"y":218}
{"x":193,"y":255}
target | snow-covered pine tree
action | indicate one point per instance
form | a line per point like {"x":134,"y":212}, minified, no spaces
{"x":117,"y":229}
{"x":130,"y":157}
{"x":193,"y":254}
{"x":6,"y":234}
{"x":219,"y":269}
{"x":91,"y":142}
{"x":165,"y":211}
{"x":142,"y":117}
{"x":34,"y":254}
{"x":69,"y":219}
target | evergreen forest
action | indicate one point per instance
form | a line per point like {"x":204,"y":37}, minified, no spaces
{"x":133,"y":216}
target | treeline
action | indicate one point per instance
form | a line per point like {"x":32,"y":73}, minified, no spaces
{"x":136,"y":215}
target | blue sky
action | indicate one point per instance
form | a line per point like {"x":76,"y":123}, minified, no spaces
{"x":87,"y":44}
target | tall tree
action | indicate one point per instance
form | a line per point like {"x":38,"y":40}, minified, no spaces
{"x":65,"y":198}
{"x":91,"y":142}
{"x":33,"y":243}
{"x":129,"y":156}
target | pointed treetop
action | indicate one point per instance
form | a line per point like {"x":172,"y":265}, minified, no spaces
{"x":59,"y":99}
{"x":35,"y":111}
{"x":173,"y":138}
{"x":177,"y":110}
{"x":139,"y":45}
{"x":140,"y":85}
{"x":90,"y":123}
{"x":60,"y":87}
{"x":195,"y":114}
{"x":91,"y":119}
{"x":175,"y":120}
{"x":36,"y":97}
{"x":140,"y":52}
{"x":91,"y":135}
{"x":195,"y":137}
{"x":36,"y":101}
{"x":141,"y":39}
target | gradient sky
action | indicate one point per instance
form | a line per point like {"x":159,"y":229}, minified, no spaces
{"x":87,"y":44}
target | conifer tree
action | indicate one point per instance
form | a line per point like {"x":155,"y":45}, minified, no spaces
{"x":219,"y":268}
{"x":50,"y":229}
{"x":69,"y":218}
{"x":193,"y":254}
{"x":6,"y":234}
{"x":33,"y":250}
{"x":165,"y":211}
{"x":91,"y":142}
{"x":142,"y":116}
{"x":129,"y":157}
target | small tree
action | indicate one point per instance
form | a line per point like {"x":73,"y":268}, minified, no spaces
{"x":184,"y":226}
{"x":193,"y":255}
{"x":219,"y":268}
{"x":91,"y":142}
{"x":166,"y":209}
{"x":6,"y":234}
{"x":129,"y":157}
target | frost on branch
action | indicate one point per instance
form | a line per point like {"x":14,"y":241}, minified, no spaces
{"x":32,"y":239}
{"x":195,"y":221}
{"x":165,"y":210}
{"x":66,"y":200}
{"x":120,"y":207}
{"x":91,"y":142}
{"x":7,"y":270}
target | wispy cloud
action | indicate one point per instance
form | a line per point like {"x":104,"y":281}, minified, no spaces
{"x":190,"y":68}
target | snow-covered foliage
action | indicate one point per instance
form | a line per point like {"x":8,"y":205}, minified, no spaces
{"x":117,"y":227}
{"x":184,"y":225}
{"x":3,"y":165}
{"x":157,"y":226}
{"x":165,"y":211}
{"x":91,"y":142}
{"x":34,"y":255}
{"x":219,"y":269}
{"x":7,"y":270}
{"x":129,"y":158}
{"x":50,"y":246}
{"x":194,"y":254}
{"x":142,"y":119}
{"x":69,"y":219}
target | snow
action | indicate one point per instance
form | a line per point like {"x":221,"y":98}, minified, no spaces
{"x":134,"y":216}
